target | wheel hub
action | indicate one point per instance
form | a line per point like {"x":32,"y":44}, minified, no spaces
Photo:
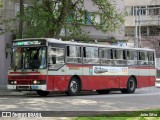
{"x":73,"y":86}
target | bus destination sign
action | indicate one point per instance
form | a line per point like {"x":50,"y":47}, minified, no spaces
{"x":28,"y":43}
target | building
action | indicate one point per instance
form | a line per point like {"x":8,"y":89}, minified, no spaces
{"x":9,"y":9}
{"x":6,"y":11}
{"x":149,"y":13}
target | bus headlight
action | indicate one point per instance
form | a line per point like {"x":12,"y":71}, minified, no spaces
{"x":12,"y":82}
{"x":15,"y":82}
{"x":35,"y":82}
{"x":39,"y":82}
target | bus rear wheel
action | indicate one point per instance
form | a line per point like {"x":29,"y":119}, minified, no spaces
{"x":73,"y":87}
{"x":42,"y":93}
{"x":103,"y":91}
{"x":131,"y":86}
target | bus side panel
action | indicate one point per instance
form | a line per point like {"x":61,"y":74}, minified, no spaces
{"x":50,"y":83}
{"x":152,"y":80}
{"x":57,"y":83}
{"x":123,"y":81}
{"x":84,"y":83}
{"x":145,"y":81}
{"x":153,"y":75}
{"x":95,"y":82}
{"x":142,"y":81}
{"x":146,"y":77}
{"x":104,"y":82}
{"x":56,"y":79}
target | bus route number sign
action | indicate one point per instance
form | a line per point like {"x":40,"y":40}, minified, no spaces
{"x":28,"y":43}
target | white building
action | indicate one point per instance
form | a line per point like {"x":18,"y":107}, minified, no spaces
{"x":150,"y":21}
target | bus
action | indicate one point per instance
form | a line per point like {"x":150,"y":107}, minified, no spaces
{"x":46,"y":65}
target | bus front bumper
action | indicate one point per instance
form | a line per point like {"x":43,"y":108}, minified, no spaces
{"x":27,"y":87}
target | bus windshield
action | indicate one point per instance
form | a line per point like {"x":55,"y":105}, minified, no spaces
{"x":28,"y":58}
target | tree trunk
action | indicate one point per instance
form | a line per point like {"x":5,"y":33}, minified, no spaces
{"x":21,"y":19}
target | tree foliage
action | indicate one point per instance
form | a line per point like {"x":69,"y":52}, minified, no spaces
{"x":47,"y":18}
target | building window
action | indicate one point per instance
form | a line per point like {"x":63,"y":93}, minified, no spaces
{"x":144,"y":30}
{"x":17,"y":7}
{"x":70,"y":17}
{"x":153,"y":10}
{"x":87,"y":18}
{"x":154,"y":30}
{"x":144,"y":10}
{"x":129,"y":10}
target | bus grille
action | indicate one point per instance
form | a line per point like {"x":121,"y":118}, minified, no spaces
{"x":24,"y":82}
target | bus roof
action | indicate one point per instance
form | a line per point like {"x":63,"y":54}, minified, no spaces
{"x":52,"y":40}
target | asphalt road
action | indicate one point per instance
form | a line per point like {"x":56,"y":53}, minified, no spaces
{"x":146,"y":98}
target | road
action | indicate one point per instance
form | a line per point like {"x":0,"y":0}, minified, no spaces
{"x":146,"y":98}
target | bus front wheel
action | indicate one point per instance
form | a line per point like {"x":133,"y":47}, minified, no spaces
{"x":131,"y":86}
{"x":42,"y":93}
{"x":73,"y":87}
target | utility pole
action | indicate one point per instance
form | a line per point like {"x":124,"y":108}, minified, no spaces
{"x":136,"y":29}
{"x":21,"y":19}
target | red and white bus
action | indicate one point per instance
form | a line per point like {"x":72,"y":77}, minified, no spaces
{"x":45,"y":65}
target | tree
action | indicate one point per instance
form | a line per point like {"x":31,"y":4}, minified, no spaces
{"x":46,"y":18}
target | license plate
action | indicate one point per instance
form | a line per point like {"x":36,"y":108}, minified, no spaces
{"x":34,"y":87}
{"x":23,"y":87}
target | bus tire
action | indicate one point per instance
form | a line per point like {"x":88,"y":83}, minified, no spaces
{"x":131,"y":86}
{"x":73,"y":87}
{"x":103,"y":91}
{"x":42,"y":93}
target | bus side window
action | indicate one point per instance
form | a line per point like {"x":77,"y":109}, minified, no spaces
{"x":106,"y":56}
{"x":74,"y":54}
{"x":90,"y":55}
{"x":143,"y":58}
{"x":119,"y":57}
{"x":55,"y":57}
{"x":131,"y":57}
{"x":151,"y":59}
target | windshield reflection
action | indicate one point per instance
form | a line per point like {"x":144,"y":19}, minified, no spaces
{"x":29,"y":58}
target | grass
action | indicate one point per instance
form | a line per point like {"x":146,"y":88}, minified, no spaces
{"x":136,"y":115}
